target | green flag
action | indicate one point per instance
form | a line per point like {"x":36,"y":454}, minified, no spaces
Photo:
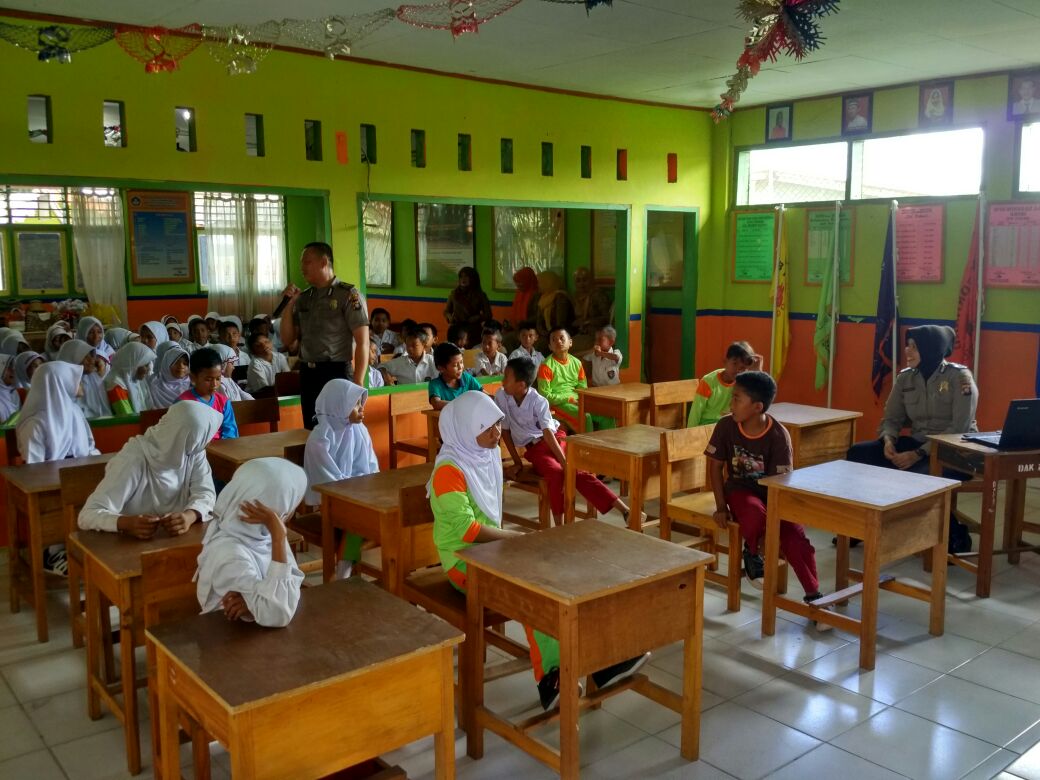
{"x":824,"y":316}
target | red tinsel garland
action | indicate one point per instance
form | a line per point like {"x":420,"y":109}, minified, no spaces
{"x":159,"y":48}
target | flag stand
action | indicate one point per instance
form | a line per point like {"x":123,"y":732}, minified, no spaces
{"x":980,"y":302}
{"x":776,"y":269}
{"x":835,"y":307}
{"x":894,"y":209}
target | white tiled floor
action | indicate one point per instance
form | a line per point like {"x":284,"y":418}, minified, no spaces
{"x":964,"y":705}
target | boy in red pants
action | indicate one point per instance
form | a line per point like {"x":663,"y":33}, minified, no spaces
{"x":750,"y":444}
{"x":528,"y":423}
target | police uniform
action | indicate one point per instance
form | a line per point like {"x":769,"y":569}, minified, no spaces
{"x":325,"y":318}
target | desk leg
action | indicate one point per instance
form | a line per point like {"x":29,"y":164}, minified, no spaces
{"x":692,"y":670}
{"x":472,"y":698}
{"x":635,"y":499}
{"x":390,"y":553}
{"x":169,"y":743}
{"x":841,"y":564}
{"x":93,"y":639}
{"x":772,"y":558}
{"x":1014,"y":510}
{"x":444,"y":740}
{"x":328,"y":541}
{"x":569,"y":709}
{"x":570,"y":477}
{"x":581,"y":413}
{"x":940,"y":561}
{"x":869,"y":605}
{"x":12,"y":549}
{"x":39,"y":586}
{"x":128,"y":665}
{"x":987,"y":528}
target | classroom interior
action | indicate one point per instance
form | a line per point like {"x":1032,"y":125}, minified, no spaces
{"x":613,"y":149}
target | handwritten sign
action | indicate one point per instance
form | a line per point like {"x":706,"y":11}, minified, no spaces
{"x":919,"y":242}
{"x":1013,"y":257}
{"x":160,"y":237}
{"x":819,"y":244}
{"x":41,"y":261}
{"x":754,"y":242}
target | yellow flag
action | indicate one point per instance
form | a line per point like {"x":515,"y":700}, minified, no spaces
{"x":781,"y":304}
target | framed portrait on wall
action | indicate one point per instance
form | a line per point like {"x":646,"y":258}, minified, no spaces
{"x":935,"y":104}
{"x":1024,"y":95}
{"x":857,"y":113}
{"x":778,"y":122}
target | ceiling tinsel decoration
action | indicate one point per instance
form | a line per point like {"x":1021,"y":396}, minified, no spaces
{"x":458,"y":16}
{"x":335,"y":35}
{"x":54,"y":43}
{"x":159,"y":48}
{"x":780,"y":26}
{"x":589,"y":4}
{"x":241,"y":49}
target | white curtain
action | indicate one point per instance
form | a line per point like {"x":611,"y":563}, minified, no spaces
{"x":242,"y":238}
{"x":97,"y":232}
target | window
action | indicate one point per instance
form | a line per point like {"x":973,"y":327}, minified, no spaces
{"x":184,"y":128}
{"x":34,"y":205}
{"x":312,"y":139}
{"x":368,"y":144}
{"x":923,"y":164}
{"x":1029,"y":163}
{"x":113,"y":123}
{"x":254,"y":135}
{"x":507,"y":155}
{"x":377,"y":217}
{"x":39,"y":115}
{"x":547,"y":158}
{"x":792,"y":174}
{"x":586,"y":162}
{"x":465,"y":152}
{"x":418,"y":148}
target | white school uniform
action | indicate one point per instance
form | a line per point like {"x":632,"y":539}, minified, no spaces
{"x":128,"y":358}
{"x":407,"y":372}
{"x":487,"y":367}
{"x":236,"y":555}
{"x":461,"y":421}
{"x":337,"y":448}
{"x":375,"y":378}
{"x":261,"y":372}
{"x":164,"y":388}
{"x":525,"y":421}
{"x":161,"y":471}
{"x":229,"y":386}
{"x":9,"y":400}
{"x":94,"y":401}
{"x":52,"y":426}
{"x":387,"y":339}
{"x":534,"y":356}
{"x":605,"y":371}
{"x":104,"y":349}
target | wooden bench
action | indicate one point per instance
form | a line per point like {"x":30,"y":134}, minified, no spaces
{"x":287,"y":383}
{"x":258,"y":411}
{"x":401,"y":405}
{"x":306,"y":520}
{"x":670,"y":402}
{"x":77,"y":484}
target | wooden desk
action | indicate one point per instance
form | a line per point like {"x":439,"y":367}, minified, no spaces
{"x":356,"y":673}
{"x":632,"y":454}
{"x":112,"y":573}
{"x":895,"y":513}
{"x":34,"y":522}
{"x":1015,"y":467}
{"x":369,"y":507}
{"x":817,"y":434}
{"x":627,"y":403}
{"x":433,"y":432}
{"x":607,"y":595}
{"x":226,"y":455}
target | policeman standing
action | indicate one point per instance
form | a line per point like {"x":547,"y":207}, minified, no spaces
{"x":330,"y":321}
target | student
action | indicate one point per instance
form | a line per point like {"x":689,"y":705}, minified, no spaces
{"x":528,"y":335}
{"x":14,"y":343}
{"x":246,"y":567}
{"x":10,"y":401}
{"x":94,"y":399}
{"x":199,"y":333}
{"x":379,"y":331}
{"x":153,"y":334}
{"x":229,"y":386}
{"x":559,"y":377}
{"x":466,"y":498}
{"x":407,"y":326}
{"x":205,"y":370}
{"x":51,"y":425}
{"x":375,"y":376}
{"x":158,"y":479}
{"x":606,"y":360}
{"x":415,"y":365}
{"x":528,"y":423}
{"x":170,"y":381}
{"x":714,"y":390}
{"x":126,"y":383}
{"x":339,"y":447}
{"x":265,"y":363}
{"x":56,"y":336}
{"x":746,"y":446}
{"x":213,"y":324}
{"x":177,"y":334}
{"x":459,"y":336}
{"x":231,"y":335}
{"x":490,"y":360}
{"x":115,"y":338}
{"x":92,"y":331}
{"x":25,"y":365}
{"x":431,"y":333}
{"x":454,"y":380}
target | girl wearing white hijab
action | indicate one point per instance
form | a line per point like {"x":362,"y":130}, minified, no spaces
{"x":229,"y":386}
{"x":340,"y":447}
{"x":246,"y":567}
{"x":93,"y":400}
{"x":10,"y":402}
{"x":56,"y":336}
{"x":13,"y":344}
{"x":126,"y":385}
{"x":51,"y":425}
{"x":153,"y":334}
{"x":115,"y":338}
{"x":92,"y":331}
{"x":160,"y":478}
{"x":25,"y":365}
{"x":171,"y":378}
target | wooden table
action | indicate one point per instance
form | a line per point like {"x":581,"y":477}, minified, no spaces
{"x":627,"y":403}
{"x":226,"y":455}
{"x":1015,"y":467}
{"x":608,"y":595}
{"x":818,"y":434}
{"x":34,"y":521}
{"x":356,"y":673}
{"x":895,"y":513}
{"x":433,"y":432}
{"x":632,"y":454}
{"x":369,"y":507}
{"x":112,"y":573}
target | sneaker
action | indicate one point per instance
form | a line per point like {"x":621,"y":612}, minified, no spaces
{"x":549,"y":689}
{"x":754,"y":568}
{"x":56,"y":563}
{"x":809,"y":599}
{"x":619,"y":671}
{"x":960,"y":539}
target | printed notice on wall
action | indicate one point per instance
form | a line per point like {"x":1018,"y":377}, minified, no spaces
{"x":754,"y":239}
{"x":919,"y":242}
{"x":160,"y":237}
{"x":819,"y":244}
{"x":1013,"y":257}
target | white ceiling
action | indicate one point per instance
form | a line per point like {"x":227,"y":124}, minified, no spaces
{"x":671,"y":51}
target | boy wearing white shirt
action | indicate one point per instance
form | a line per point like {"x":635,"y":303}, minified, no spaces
{"x":528,"y":335}
{"x":415,"y":365}
{"x":266,"y":363}
{"x":606,"y":361}
{"x":490,"y":361}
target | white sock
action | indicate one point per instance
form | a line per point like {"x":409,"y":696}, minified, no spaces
{"x":344,"y":569}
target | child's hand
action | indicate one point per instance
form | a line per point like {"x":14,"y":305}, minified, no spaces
{"x":756,"y":363}
{"x":904,"y":460}
{"x":722,"y":518}
{"x":890,"y":449}
{"x":138,"y":526}
{"x":177,"y":523}
{"x":511,"y":472}
{"x":235,"y":606}
{"x":257,"y":514}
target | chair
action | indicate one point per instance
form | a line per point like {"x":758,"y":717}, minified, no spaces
{"x":262,"y":410}
{"x":413,"y":402}
{"x":240,"y":373}
{"x":306,"y":520}
{"x":77,"y":484}
{"x":469,"y":358}
{"x":150,"y":417}
{"x":287,"y":383}
{"x":529,"y":482}
{"x":684,"y":468}
{"x":669,"y":402}
{"x":168,"y":593}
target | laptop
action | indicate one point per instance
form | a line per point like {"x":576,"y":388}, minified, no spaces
{"x":1021,"y":429}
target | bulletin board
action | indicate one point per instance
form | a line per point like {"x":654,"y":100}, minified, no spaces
{"x":919,"y":243}
{"x":41,"y":266}
{"x":819,"y":245}
{"x":754,"y":246}
{"x":161,"y":249}
{"x":1013,"y":253}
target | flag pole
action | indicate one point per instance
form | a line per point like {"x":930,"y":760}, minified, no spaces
{"x":895,"y":291}
{"x":835,"y":309}
{"x":980,"y":303}
{"x":776,"y":269}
